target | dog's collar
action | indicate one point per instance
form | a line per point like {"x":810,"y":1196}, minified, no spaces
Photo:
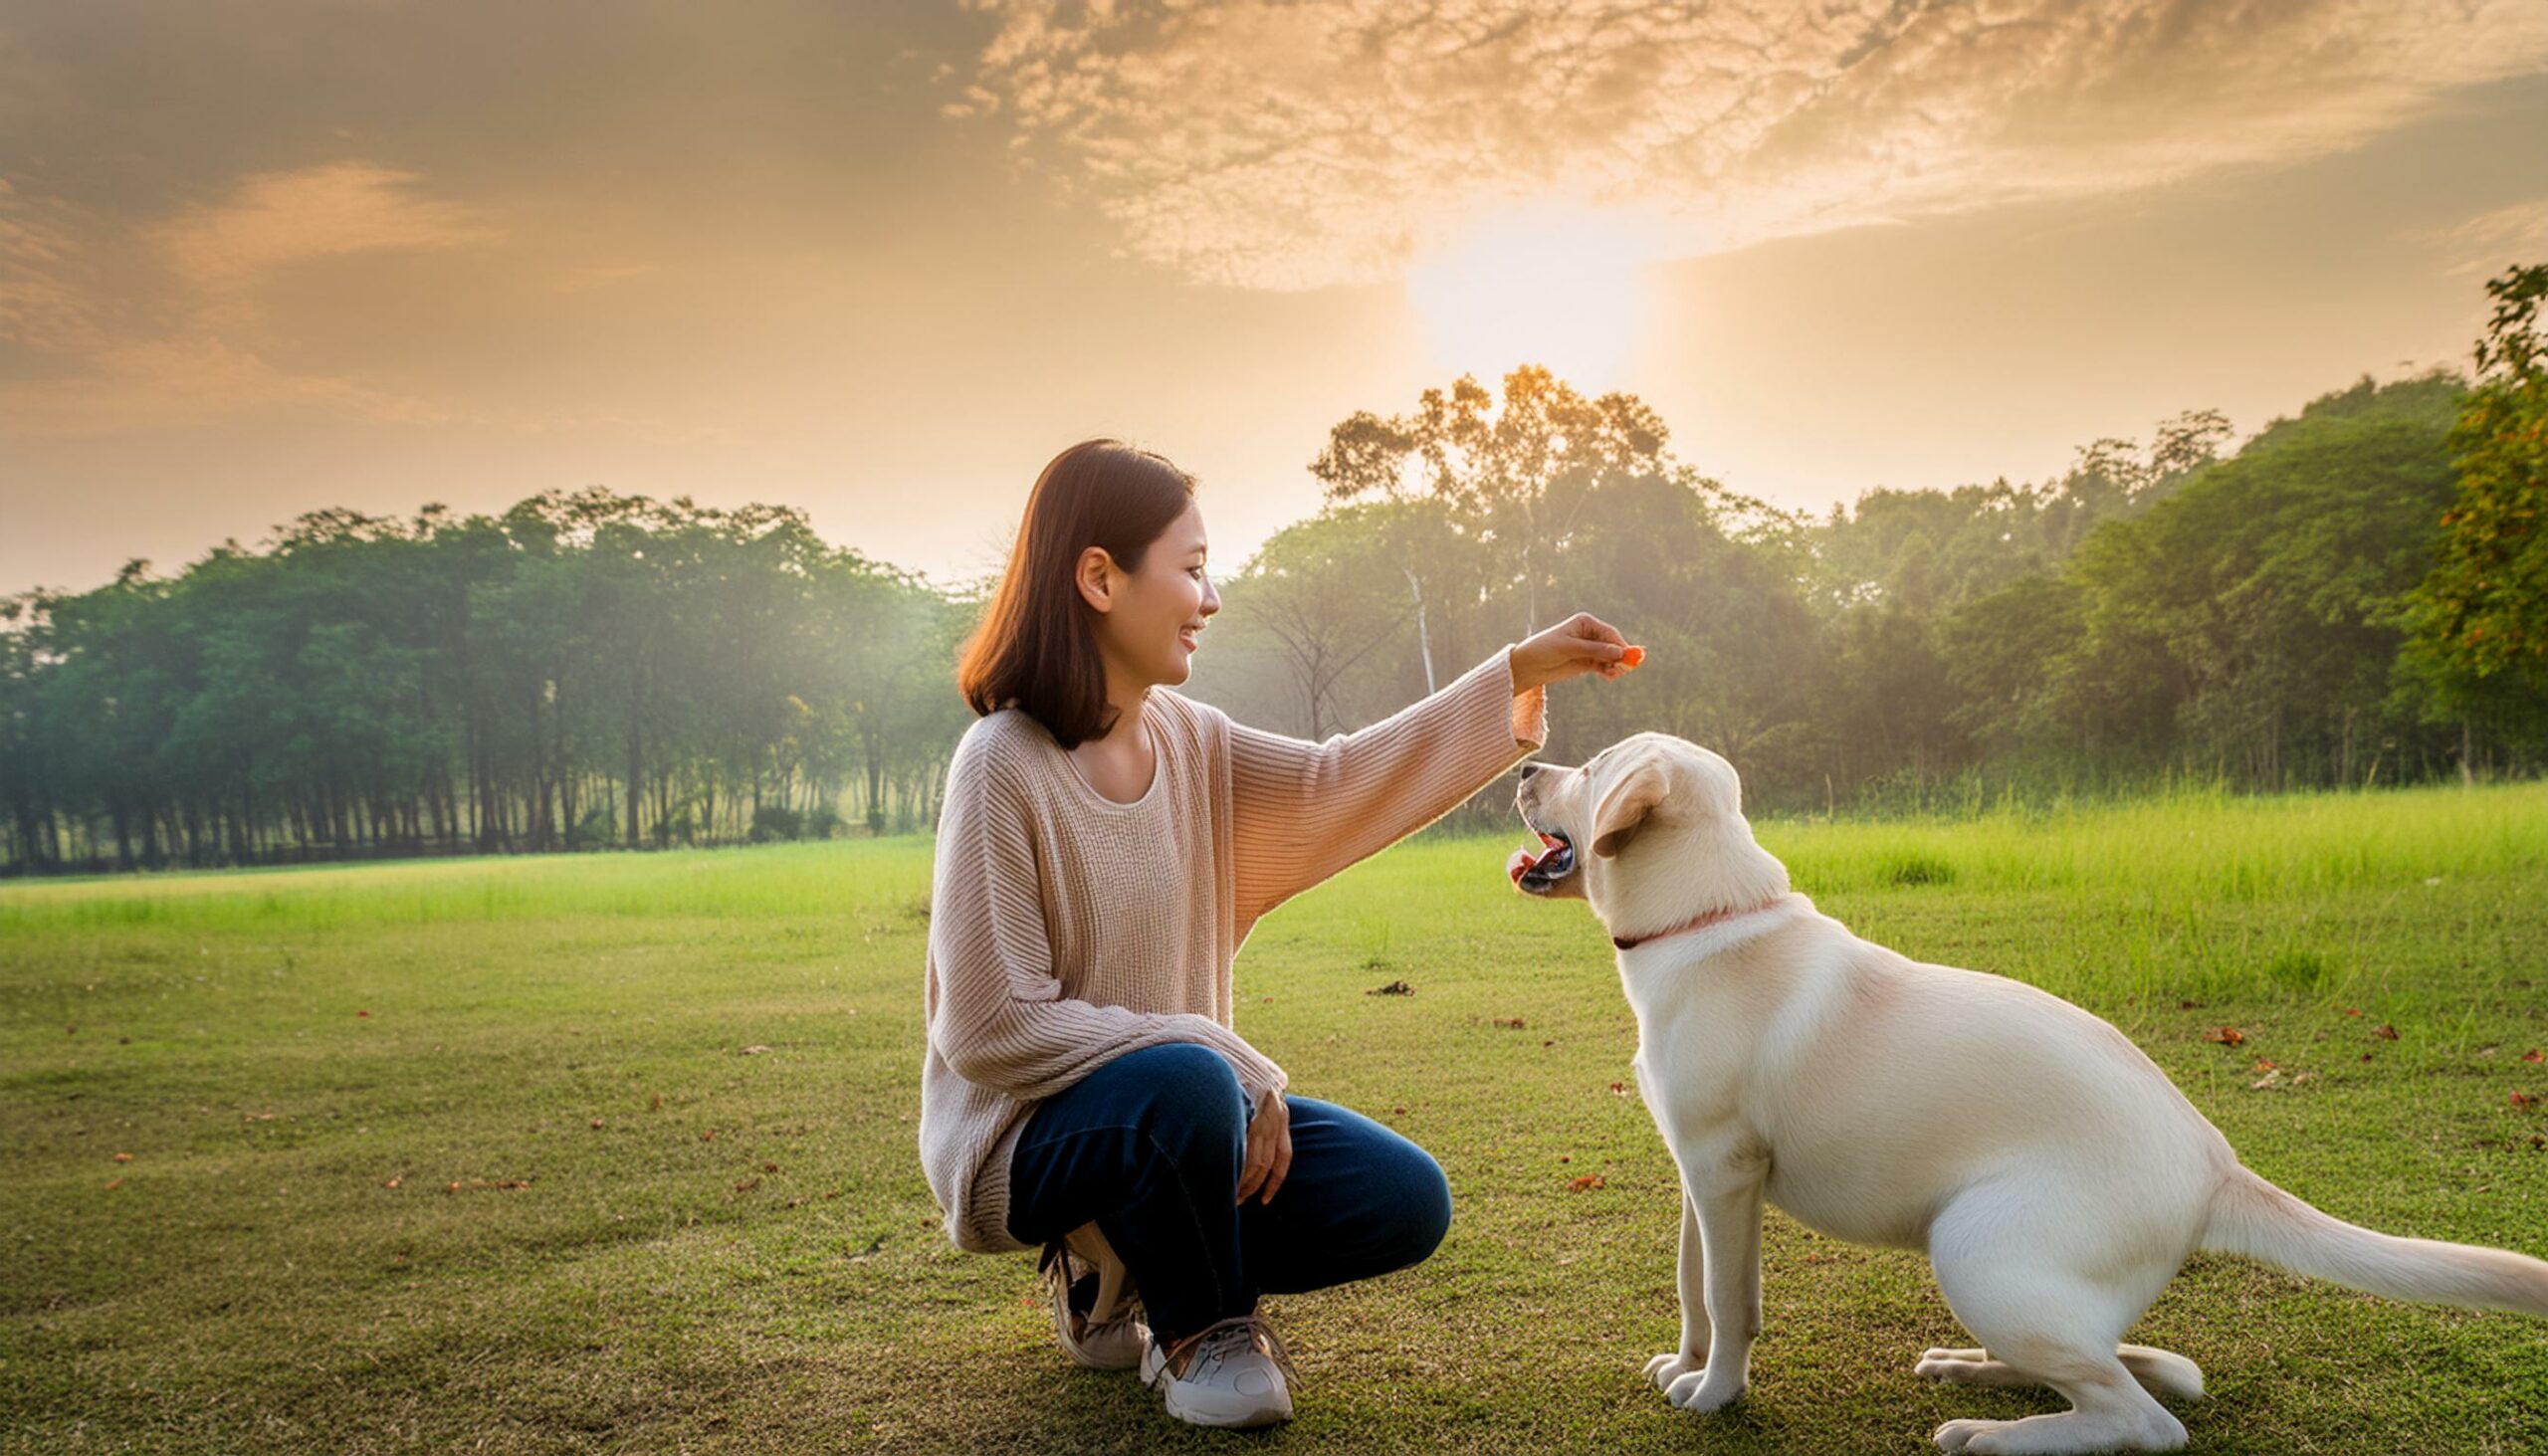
{"x":1714,"y":916}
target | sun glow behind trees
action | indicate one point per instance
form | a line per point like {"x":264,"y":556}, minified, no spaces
{"x":1551,"y":286}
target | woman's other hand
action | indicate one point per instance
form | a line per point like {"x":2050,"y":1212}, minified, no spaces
{"x":1580,"y":644}
{"x":1269,"y":1149}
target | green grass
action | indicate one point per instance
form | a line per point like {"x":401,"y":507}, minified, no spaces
{"x":255,"y":1284}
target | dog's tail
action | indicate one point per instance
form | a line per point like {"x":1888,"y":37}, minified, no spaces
{"x":2252,"y":1217}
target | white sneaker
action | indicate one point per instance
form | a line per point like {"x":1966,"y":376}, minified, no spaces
{"x":1236,"y":1375}
{"x":1093,"y":1306}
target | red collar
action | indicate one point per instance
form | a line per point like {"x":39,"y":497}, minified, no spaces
{"x":1698,"y":922}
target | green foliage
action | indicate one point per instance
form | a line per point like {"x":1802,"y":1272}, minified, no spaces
{"x":2481,"y":614}
{"x":583,"y":670}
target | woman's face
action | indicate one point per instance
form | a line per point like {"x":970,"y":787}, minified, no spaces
{"x":1148,"y":620}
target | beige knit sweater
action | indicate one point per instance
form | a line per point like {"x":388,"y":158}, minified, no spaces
{"x":1066,"y":928}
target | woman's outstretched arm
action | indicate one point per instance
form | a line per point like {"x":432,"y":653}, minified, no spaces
{"x":1302,"y":811}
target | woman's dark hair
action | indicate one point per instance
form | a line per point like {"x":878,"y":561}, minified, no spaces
{"x":1036,"y":647}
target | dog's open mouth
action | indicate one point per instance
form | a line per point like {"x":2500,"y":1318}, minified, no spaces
{"x":1536,"y":870}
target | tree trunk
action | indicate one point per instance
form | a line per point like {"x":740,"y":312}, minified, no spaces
{"x":1423,"y":631}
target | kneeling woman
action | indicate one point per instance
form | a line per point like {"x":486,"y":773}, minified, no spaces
{"x":1104,"y":847}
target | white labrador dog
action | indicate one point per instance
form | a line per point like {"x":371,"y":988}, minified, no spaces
{"x":2055,"y":1177}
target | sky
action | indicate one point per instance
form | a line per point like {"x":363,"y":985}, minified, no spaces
{"x":881,"y":262}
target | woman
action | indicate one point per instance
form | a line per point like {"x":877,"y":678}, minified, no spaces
{"x":1105,"y":845}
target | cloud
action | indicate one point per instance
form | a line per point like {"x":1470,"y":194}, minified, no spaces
{"x":45,"y":281}
{"x":149,"y":384}
{"x":162,"y":325}
{"x":1289,"y":145}
{"x":2491,"y":241}
{"x":273,"y":220}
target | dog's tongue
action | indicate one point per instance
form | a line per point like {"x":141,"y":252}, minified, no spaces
{"x":1523,"y":859}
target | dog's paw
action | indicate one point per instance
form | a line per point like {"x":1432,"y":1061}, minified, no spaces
{"x":1663,"y":1370}
{"x":1964,"y":1367}
{"x":1955,"y":1435}
{"x":1695,"y":1391}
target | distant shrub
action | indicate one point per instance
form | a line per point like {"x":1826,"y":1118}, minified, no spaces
{"x":823,"y":823}
{"x":2297,"y":968}
{"x":774,"y":821}
{"x":1913,"y":868}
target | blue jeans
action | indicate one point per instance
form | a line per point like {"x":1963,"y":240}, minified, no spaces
{"x":1150,"y":1145}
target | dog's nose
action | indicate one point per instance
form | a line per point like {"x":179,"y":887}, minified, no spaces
{"x":1529,"y":768}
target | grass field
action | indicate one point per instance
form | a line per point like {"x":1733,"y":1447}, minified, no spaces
{"x":617,"y":1153}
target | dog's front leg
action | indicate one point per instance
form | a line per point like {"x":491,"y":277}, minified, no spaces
{"x":1692,"y":1356}
{"x":1728,"y":1215}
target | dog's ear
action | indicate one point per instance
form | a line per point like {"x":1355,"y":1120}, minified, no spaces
{"x":1624,"y":805}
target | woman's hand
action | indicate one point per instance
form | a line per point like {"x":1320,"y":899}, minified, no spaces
{"x":1580,"y":644}
{"x":1269,"y":1149}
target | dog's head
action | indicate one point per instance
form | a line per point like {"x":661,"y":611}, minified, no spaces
{"x":1651,"y":832}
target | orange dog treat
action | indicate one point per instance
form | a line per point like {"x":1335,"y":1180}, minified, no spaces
{"x":1634,"y":656}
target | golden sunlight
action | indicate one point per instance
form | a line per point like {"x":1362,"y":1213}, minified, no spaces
{"x":1544,"y":287}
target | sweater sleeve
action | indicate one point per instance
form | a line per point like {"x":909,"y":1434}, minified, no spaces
{"x":999,"y":1015}
{"x":1303,"y":811}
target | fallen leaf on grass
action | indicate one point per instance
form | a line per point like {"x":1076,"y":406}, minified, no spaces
{"x":754,"y":1051}
{"x":2385,"y":1033}
{"x":1619,"y":1088}
{"x":2265,"y":1064}
{"x":393,"y":1182}
{"x":2353,"y":1010}
{"x":596,"y":1122}
{"x":2523,"y":1101}
{"x":2531,"y":1056}
{"x":114,"y":1183}
{"x":500,"y":1184}
{"x":1509,"y":1023}
{"x":708,"y":1137}
{"x":1394,"y":988}
{"x":747,"y":1185}
{"x":2228,"y":1036}
{"x":2267,"y":1080}
{"x":769,"y":1167}
{"x":362,"y":1013}
{"x":658,"y":1103}
{"x":123,"y":1158}
{"x":1584,"y":1183}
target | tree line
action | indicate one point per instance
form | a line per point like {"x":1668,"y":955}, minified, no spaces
{"x":2354,"y":596}
{"x":585,"y":670}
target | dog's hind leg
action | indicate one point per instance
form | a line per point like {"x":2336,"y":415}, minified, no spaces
{"x":2162,"y":1372}
{"x":2001,"y":1263}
